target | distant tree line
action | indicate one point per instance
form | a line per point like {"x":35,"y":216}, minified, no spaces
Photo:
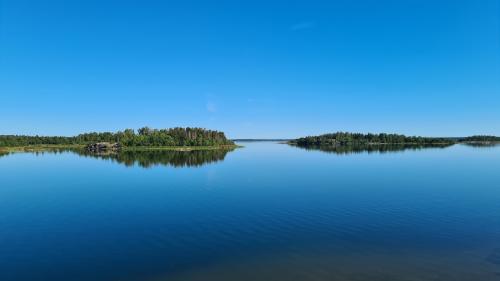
{"x":344,"y":138}
{"x":481,"y":139}
{"x":143,"y":137}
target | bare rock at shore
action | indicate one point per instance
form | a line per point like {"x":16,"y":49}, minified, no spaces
{"x":103,"y":146}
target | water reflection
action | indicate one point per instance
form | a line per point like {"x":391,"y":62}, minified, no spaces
{"x":482,"y":144}
{"x":271,"y":212}
{"x":379,"y":148}
{"x":147,"y":159}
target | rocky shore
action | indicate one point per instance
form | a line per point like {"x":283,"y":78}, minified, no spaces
{"x":103,"y":147}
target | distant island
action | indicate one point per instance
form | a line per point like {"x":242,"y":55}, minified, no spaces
{"x":481,"y":139}
{"x":350,"y":139}
{"x":145,"y":138}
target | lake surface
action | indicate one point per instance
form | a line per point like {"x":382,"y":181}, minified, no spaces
{"x":266,"y":212}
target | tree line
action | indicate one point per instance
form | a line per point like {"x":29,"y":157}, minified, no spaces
{"x":144,"y":136}
{"x":481,"y":138}
{"x":344,"y":138}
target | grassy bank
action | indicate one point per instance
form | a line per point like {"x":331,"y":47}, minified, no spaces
{"x":35,"y":148}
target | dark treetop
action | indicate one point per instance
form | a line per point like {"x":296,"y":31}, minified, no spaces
{"x":143,"y":137}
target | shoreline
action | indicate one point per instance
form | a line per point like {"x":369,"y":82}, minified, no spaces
{"x":399,"y":143}
{"x":375,"y":143}
{"x":48,"y":147}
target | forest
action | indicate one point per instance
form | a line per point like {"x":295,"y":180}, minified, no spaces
{"x":144,"y":136}
{"x":344,"y":138}
{"x":481,"y":139}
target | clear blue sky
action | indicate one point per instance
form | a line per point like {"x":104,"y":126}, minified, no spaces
{"x":262,"y":69}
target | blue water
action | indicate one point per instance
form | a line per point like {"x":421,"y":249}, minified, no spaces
{"x":267,"y":211}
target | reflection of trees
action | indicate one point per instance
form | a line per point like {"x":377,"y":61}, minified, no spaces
{"x":482,"y":144}
{"x":372,"y":148}
{"x":4,"y":153}
{"x":150,"y":158}
{"x":147,"y":159}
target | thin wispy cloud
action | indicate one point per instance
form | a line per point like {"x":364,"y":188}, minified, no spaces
{"x":211,"y":107}
{"x":302,"y":25}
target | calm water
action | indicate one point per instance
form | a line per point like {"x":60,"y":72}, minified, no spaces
{"x":265,"y":212}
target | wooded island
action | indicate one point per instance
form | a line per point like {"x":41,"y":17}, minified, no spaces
{"x":145,"y":137}
{"x":344,"y":138}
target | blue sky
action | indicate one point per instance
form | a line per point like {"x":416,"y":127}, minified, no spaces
{"x":262,"y":69}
